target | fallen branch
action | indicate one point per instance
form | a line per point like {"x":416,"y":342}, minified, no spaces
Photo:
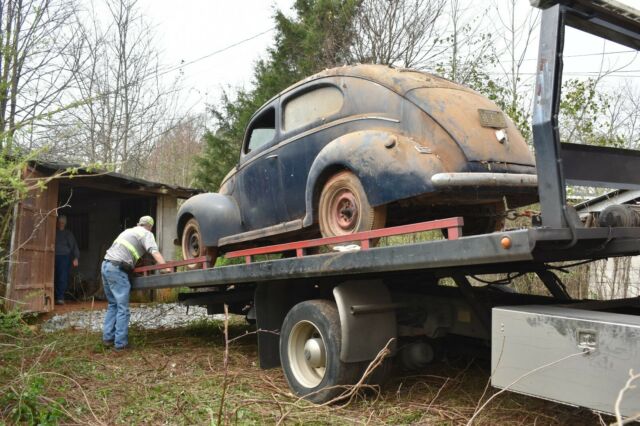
{"x":627,"y":386}
{"x":529,"y":373}
{"x":225,"y":362}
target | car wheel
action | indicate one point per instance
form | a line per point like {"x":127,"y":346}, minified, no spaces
{"x":310,"y":342}
{"x":193,"y":245}
{"x":344,"y":207}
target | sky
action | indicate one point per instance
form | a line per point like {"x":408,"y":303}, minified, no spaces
{"x":219,"y":41}
{"x":192,"y":29}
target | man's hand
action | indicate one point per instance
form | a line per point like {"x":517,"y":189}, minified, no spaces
{"x":160,"y":260}
{"x":75,"y":263}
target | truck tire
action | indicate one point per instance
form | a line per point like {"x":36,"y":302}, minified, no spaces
{"x":310,"y":342}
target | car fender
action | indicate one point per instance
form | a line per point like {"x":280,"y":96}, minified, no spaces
{"x":390,"y":167}
{"x":218,"y":216}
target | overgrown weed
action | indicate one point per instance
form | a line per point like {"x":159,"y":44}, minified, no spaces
{"x":176,"y":376}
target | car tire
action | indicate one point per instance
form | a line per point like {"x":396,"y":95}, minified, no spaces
{"x":310,"y":342}
{"x":344,"y":207}
{"x":193,"y":245}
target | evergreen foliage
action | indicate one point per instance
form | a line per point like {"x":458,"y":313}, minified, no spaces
{"x":318,"y":37}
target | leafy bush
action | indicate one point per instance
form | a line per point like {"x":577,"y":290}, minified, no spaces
{"x":13,"y":323}
{"x":27,"y":404}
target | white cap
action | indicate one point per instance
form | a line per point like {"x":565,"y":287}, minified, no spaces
{"x":146,"y":220}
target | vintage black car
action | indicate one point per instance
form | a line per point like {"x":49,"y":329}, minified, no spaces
{"x":360,"y":147}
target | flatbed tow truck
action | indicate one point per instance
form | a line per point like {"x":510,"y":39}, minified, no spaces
{"x":324,"y":317}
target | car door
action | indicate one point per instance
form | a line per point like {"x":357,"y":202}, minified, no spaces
{"x":306,"y":126}
{"x":260,"y":195}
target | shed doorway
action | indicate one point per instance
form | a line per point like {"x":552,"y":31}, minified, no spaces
{"x":95,"y":217}
{"x":98,"y":206}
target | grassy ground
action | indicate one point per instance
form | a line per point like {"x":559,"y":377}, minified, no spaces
{"x":177,"y":377}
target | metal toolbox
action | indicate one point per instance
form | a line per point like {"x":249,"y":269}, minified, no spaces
{"x":575,"y":356}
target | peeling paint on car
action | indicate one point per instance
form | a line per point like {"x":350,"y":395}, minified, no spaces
{"x":395,"y":129}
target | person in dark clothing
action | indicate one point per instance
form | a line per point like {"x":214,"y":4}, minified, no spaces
{"x":67,"y":254}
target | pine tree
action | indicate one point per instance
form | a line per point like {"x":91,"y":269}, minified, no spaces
{"x":318,"y":37}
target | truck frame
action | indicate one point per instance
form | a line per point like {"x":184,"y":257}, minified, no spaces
{"x":324,"y":317}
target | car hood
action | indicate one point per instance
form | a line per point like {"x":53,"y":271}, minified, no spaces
{"x":458,"y":111}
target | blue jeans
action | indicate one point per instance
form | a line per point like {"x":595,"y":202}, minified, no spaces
{"x":61,"y":275}
{"x":117,"y":288}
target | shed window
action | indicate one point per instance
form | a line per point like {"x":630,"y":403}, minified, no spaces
{"x":311,"y":107}
{"x":262,"y":130}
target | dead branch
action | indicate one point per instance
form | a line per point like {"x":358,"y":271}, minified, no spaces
{"x":527,"y":374}
{"x":249,"y":333}
{"x":629,"y":385}
{"x":225,"y":362}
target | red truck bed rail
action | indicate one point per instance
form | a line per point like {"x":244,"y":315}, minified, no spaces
{"x":453,"y":226}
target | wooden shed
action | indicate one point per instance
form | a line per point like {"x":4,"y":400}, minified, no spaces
{"x":98,"y":206}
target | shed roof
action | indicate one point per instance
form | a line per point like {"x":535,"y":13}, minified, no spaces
{"x":115,"y":181}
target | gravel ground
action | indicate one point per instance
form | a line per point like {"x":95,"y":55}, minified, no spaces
{"x":149,"y":317}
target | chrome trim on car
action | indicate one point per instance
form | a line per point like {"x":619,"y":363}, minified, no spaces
{"x":445,"y":180}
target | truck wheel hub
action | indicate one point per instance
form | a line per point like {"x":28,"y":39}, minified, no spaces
{"x":314,"y":352}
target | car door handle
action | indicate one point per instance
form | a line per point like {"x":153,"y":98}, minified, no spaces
{"x":272,"y":156}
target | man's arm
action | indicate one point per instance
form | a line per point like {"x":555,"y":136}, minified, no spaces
{"x":160,"y":260}
{"x":158,"y":257}
{"x":152,"y":247}
{"x":75,"y":249}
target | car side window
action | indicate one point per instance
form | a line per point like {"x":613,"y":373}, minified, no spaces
{"x":262,"y":130}
{"x":311,"y":106}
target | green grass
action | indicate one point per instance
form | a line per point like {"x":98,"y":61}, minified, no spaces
{"x":177,"y":377}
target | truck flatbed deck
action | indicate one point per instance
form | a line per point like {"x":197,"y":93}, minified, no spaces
{"x":529,"y":249}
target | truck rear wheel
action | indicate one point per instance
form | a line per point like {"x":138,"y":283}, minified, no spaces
{"x":310,"y":343}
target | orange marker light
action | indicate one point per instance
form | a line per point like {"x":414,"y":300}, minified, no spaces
{"x":506,"y":242}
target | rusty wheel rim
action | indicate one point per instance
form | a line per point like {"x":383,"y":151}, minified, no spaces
{"x":193,"y":243}
{"x":344,"y":212}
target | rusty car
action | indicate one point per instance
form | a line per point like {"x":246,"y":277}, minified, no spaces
{"x":361,"y":147}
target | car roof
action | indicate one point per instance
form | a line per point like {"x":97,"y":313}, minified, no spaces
{"x":400,"y":80}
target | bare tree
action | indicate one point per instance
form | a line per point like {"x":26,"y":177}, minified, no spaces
{"x":39,"y":52}
{"x":467,"y":45}
{"x":513,"y":43}
{"x":172,"y":160}
{"x":398,"y":32}
{"x":124,"y":107}
{"x":623,"y":112}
